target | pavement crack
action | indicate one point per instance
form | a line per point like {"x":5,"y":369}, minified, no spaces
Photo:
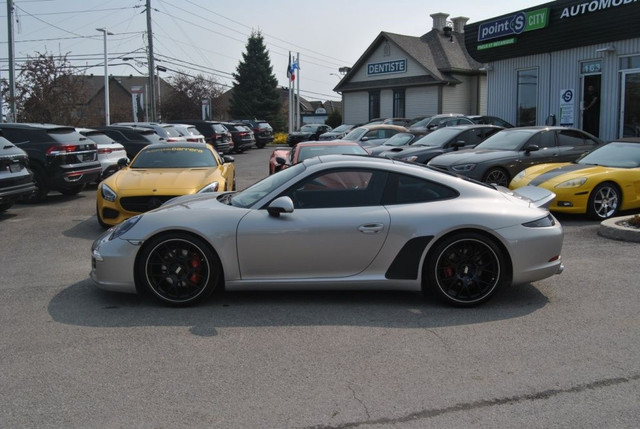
{"x":486,"y":403}
{"x":353,"y":393}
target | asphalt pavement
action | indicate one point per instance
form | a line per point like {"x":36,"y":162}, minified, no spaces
{"x":562,"y":352}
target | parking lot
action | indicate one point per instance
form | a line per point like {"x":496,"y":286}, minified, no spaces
{"x":563,"y":352}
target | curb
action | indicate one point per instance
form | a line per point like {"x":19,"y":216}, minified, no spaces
{"x":616,"y":229}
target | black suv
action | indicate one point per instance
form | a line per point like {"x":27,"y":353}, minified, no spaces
{"x":243,"y":137}
{"x":262,"y":131}
{"x":60,"y":158}
{"x":214,"y":133}
{"x":133,"y":139}
{"x":16,"y":181}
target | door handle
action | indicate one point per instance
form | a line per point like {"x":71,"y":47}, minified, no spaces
{"x":371,"y":228}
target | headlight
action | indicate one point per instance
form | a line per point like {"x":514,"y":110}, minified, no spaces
{"x":540,"y":223}
{"x":124,"y":227}
{"x":519,"y":176}
{"x":573,"y":183}
{"x":211,"y":187}
{"x":107,"y":193}
{"x":411,"y":158}
{"x":463,"y":167}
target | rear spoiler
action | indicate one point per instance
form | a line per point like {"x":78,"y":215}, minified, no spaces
{"x":538,"y":197}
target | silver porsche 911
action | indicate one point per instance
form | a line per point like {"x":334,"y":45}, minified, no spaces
{"x":338,"y":221}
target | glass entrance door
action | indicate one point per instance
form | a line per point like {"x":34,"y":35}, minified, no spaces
{"x":630,"y":109}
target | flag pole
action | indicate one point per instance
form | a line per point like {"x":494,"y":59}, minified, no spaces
{"x":298,"y":92}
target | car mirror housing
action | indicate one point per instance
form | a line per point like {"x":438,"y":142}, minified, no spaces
{"x":532,"y":148}
{"x":280,"y":160}
{"x":228,"y":158}
{"x":280,"y":205}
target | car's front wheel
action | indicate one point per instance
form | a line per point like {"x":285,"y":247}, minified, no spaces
{"x":178,"y":268}
{"x":497,"y":176}
{"x":604,"y":201}
{"x":465,"y":269}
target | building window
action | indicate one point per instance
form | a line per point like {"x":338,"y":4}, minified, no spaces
{"x":387,"y":49}
{"x":398,"y":103}
{"x":527,"y":97}
{"x":374,"y":104}
{"x":632,"y":62}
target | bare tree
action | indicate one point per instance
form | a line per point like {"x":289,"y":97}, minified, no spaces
{"x":49,"y":90}
{"x":185,"y":100}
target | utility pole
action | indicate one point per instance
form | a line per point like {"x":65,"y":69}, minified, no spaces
{"x":152,"y":68}
{"x":12,"y":60}
{"x":106,"y":76}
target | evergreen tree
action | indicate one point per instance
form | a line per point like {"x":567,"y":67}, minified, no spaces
{"x":255,"y":92}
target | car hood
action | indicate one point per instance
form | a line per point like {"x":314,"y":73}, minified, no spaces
{"x":550,"y":175}
{"x":163,"y":180}
{"x":474,"y":156}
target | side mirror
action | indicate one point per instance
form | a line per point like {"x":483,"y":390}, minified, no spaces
{"x":532,"y":148}
{"x":457,"y":145}
{"x":123,"y":162}
{"x":280,"y":160}
{"x":280,"y":205}
{"x":227,"y":158}
{"x":364,"y":139}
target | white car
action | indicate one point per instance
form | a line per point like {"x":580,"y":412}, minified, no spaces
{"x":190,"y":132}
{"x":111,"y":154}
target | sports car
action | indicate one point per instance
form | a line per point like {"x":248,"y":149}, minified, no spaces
{"x":159,"y":173}
{"x":599,"y":184}
{"x":337,"y":221}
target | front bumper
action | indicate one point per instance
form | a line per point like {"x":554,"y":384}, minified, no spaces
{"x":113,"y":263}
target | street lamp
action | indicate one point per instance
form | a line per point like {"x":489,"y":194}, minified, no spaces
{"x":106,"y":76}
{"x":159,"y":69}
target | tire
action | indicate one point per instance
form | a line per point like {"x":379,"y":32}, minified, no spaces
{"x":40,"y":180}
{"x":604,"y":201}
{"x":178,"y":269}
{"x":498,"y":176}
{"x":465,"y":269}
{"x":260,"y":145}
{"x":72,"y":190}
{"x":100,"y":221}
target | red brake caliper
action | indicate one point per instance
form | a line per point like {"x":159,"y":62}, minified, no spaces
{"x":194,"y":277}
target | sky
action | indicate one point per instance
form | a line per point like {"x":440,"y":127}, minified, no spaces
{"x":208,"y":37}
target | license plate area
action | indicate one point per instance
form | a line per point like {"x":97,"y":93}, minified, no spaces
{"x":15,"y":168}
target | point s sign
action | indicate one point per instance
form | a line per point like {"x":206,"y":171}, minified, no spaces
{"x":514,"y":24}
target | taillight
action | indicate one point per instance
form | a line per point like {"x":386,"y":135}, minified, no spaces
{"x":243,"y":134}
{"x":105,"y":150}
{"x":57,"y":150}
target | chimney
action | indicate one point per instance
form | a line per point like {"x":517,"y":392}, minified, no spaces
{"x":439,"y":20}
{"x":459,"y":23}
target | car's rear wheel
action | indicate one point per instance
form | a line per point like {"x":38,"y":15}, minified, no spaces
{"x":497,"y":176}
{"x":6,"y":206}
{"x":260,"y":145}
{"x":40,"y":180}
{"x":465,"y":269}
{"x":178,"y":268}
{"x":604,"y":201}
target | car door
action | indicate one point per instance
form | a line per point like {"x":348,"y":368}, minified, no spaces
{"x":574,"y":143}
{"x":547,"y":150}
{"x":337,"y":228}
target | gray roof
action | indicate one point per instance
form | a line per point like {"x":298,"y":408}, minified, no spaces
{"x":439,"y":55}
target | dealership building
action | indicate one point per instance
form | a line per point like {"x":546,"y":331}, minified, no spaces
{"x":568,"y":62}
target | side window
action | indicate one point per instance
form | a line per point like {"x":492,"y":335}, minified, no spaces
{"x":570,"y":138}
{"x":470,"y":137}
{"x":402,"y":189}
{"x":339,"y":188}
{"x":373,"y":134}
{"x":545,"y":139}
{"x":14,"y":135}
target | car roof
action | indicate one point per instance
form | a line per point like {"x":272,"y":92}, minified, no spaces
{"x":626,"y":140}
{"x":33,"y":125}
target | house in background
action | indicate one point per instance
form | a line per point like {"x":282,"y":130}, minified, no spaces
{"x":408,"y":76}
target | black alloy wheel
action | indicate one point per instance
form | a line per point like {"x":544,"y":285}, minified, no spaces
{"x":466,"y":269}
{"x":72,"y":190}
{"x":179,"y":269}
{"x":496,"y":175}
{"x":604,"y":201}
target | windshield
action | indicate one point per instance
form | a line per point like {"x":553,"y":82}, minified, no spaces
{"x":174,"y":157}
{"x":309,"y":128}
{"x":418,"y":120}
{"x":400,"y":139}
{"x":355,"y":135}
{"x":617,"y":154}
{"x":342,"y":128}
{"x":257,"y":191}
{"x":437,"y":138}
{"x":311,"y":151}
{"x":506,"y":140}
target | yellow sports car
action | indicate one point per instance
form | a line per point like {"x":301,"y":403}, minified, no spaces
{"x":158,"y":173}
{"x":599,"y":184}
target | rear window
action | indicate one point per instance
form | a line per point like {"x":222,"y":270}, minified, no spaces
{"x":152,"y":137}
{"x":172,"y":132}
{"x":219,"y":128}
{"x":65,"y":135}
{"x":99,"y":138}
